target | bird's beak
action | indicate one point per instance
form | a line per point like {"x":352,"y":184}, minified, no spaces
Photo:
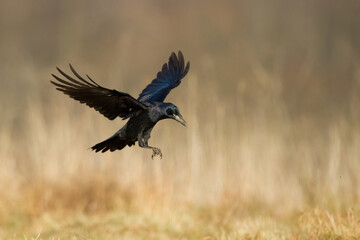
{"x":180,"y":119}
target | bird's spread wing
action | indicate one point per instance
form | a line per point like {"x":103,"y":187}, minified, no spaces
{"x":110,"y":103}
{"x":168,"y":78}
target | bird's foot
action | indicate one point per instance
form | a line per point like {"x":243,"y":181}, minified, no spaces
{"x":156,"y":151}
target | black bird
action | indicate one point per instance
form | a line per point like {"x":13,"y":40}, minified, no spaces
{"x":143,"y":112}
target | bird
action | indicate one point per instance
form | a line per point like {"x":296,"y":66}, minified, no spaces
{"x":142,"y":113}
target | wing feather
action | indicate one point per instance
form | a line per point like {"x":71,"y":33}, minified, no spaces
{"x":110,"y":103}
{"x":168,"y":78}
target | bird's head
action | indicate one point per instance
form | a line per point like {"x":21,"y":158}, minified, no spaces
{"x":171,"y":111}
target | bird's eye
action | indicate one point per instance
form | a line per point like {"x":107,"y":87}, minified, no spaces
{"x":169,"y":111}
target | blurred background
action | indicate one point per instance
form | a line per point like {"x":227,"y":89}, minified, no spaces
{"x":271,"y":99}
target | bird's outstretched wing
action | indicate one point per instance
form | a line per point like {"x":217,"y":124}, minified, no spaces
{"x":110,"y":103}
{"x":168,"y":78}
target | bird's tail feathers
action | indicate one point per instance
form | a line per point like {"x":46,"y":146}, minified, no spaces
{"x":113,"y":143}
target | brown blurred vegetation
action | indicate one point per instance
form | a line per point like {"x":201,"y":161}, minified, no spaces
{"x":271,"y":100}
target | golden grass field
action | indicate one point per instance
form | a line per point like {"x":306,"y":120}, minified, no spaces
{"x":272,"y":147}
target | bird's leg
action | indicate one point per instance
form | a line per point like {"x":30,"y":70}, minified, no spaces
{"x":156,"y":151}
{"x":143,"y":142}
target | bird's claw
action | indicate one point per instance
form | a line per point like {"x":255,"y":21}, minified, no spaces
{"x":156,"y":151}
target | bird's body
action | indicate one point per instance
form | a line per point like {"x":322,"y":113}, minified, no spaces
{"x":143,"y":112}
{"x":136,"y":128}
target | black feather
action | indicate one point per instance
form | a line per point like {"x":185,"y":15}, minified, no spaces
{"x":168,"y":78}
{"x":110,"y":103}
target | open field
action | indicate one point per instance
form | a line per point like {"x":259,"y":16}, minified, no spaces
{"x":186,"y":223}
{"x":272,"y":147}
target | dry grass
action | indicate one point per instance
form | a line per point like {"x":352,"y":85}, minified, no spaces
{"x":272,"y":146}
{"x":151,"y":221}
